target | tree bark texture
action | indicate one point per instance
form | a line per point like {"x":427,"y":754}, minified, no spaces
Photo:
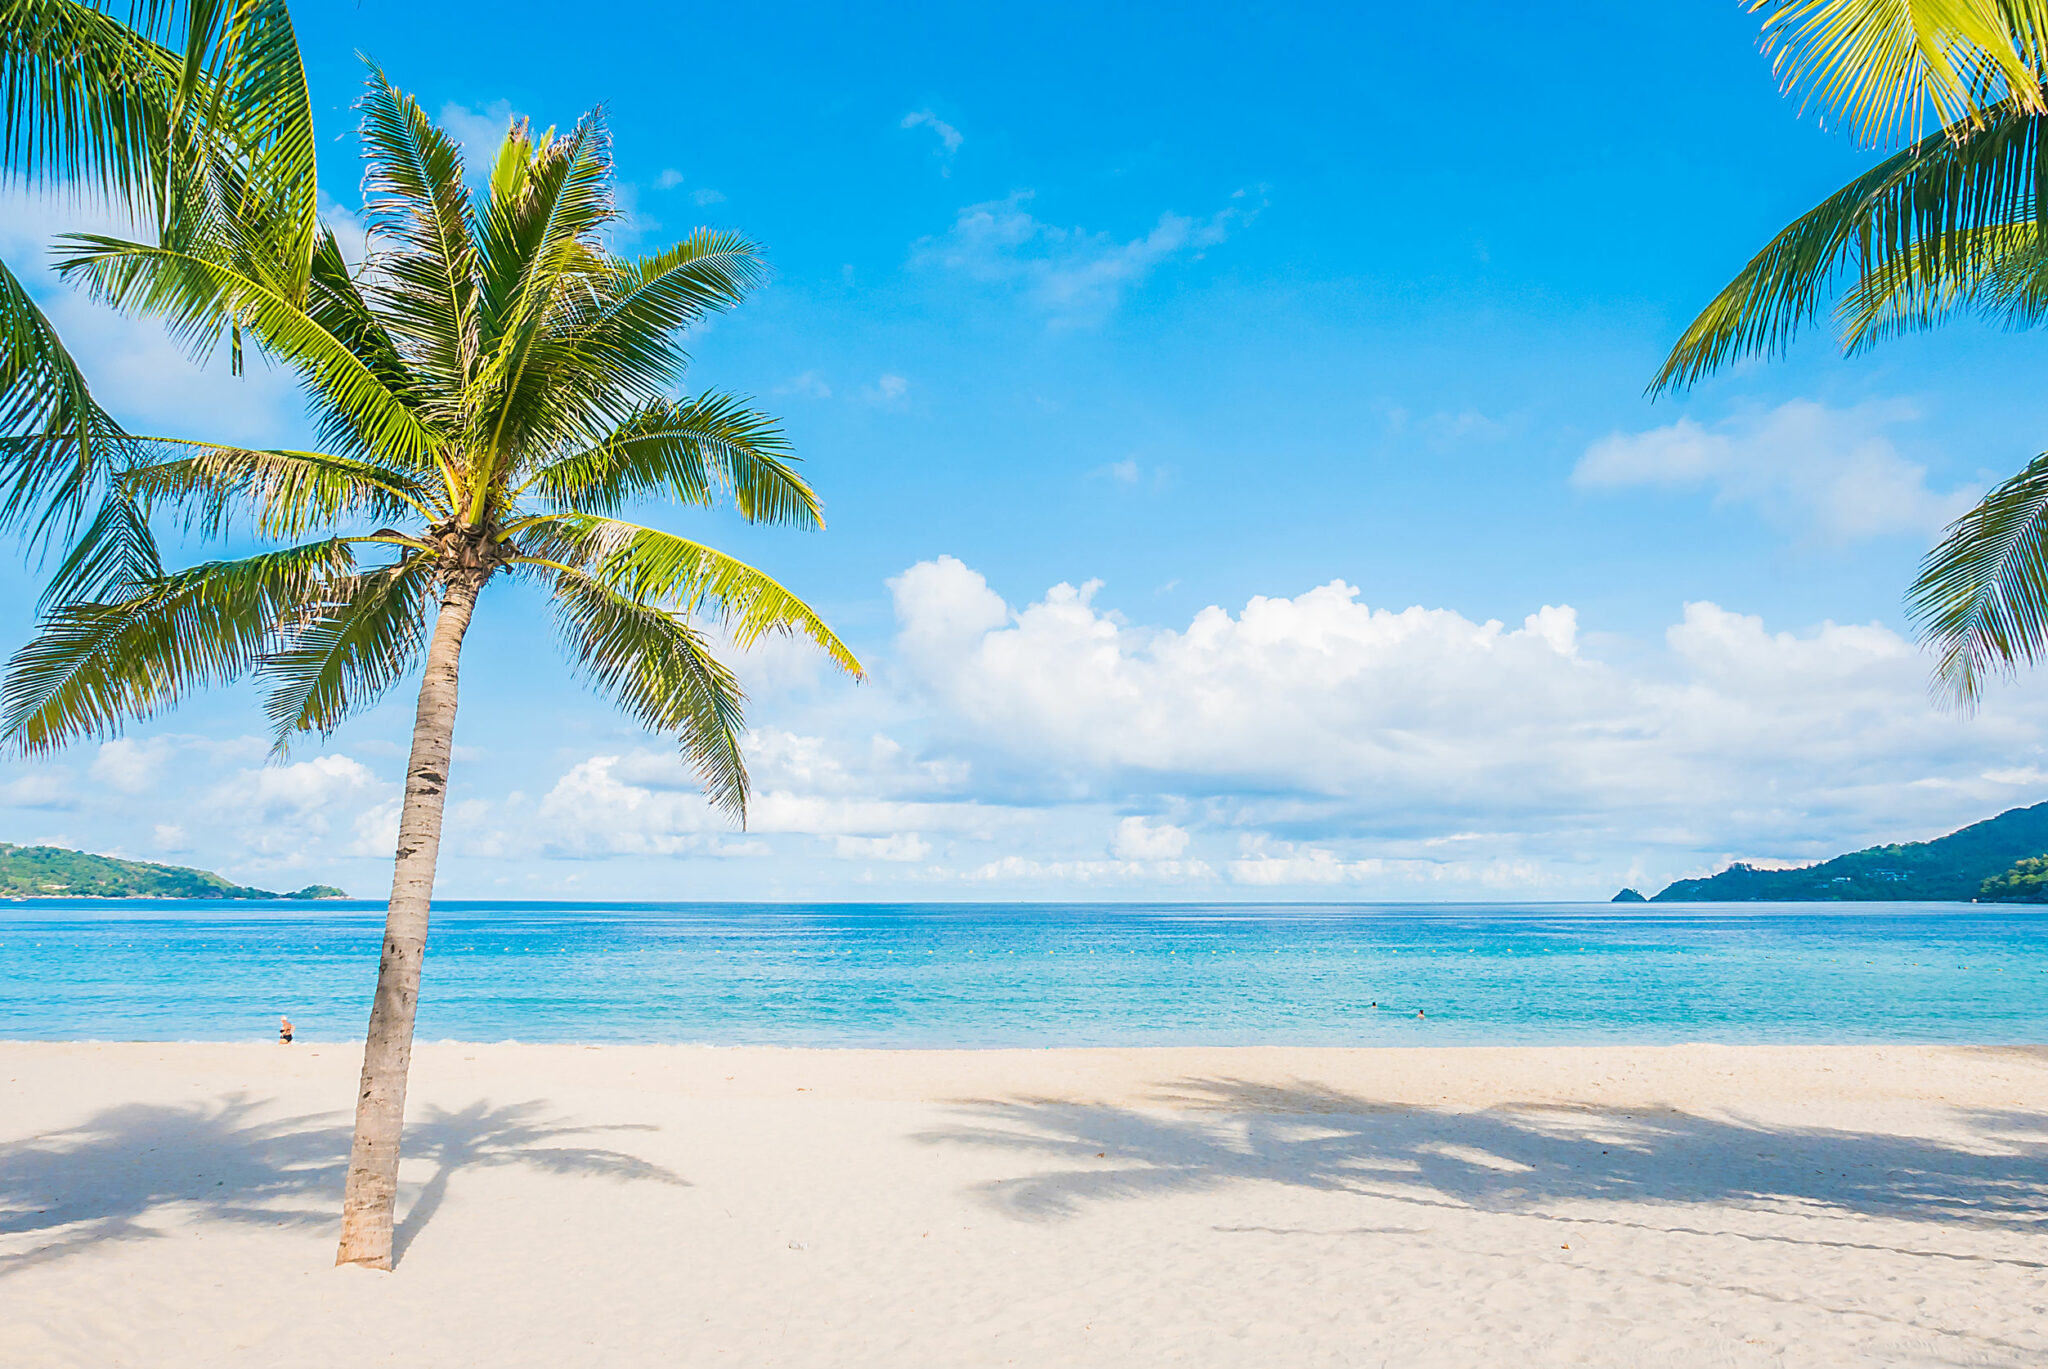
{"x":368,"y":1204}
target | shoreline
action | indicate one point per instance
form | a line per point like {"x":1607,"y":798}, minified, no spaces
{"x":174,"y":1205}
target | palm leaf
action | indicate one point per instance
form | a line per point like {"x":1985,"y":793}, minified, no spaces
{"x":1918,"y":213}
{"x":360,"y":643}
{"x":650,"y":566}
{"x":287,"y":492}
{"x":1886,"y":66}
{"x":93,"y":666}
{"x":663,"y":674}
{"x":1982,"y":596}
{"x":686,"y":449}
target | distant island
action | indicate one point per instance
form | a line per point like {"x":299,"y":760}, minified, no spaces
{"x":53,"y":872}
{"x":2000,"y":860}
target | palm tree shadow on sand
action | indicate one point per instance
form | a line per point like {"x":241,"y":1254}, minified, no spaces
{"x":1508,"y":1160}
{"x":230,"y":1161}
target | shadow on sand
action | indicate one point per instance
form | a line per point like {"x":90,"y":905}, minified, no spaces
{"x":1520,"y":1159}
{"x":229,"y":1161}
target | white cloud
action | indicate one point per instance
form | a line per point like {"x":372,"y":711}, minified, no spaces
{"x":277,"y":809}
{"x":949,"y":136}
{"x":669,"y":179}
{"x":704,"y":195}
{"x":1070,"y":274}
{"x":170,"y":838}
{"x":1137,"y":839}
{"x":1803,"y":464}
{"x":888,"y":389}
{"x":1320,"y":715}
{"x":481,"y":132}
{"x":810,"y":384}
{"x":131,"y":766}
{"x":903,"y":846}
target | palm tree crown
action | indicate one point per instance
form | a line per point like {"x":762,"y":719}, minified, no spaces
{"x":491,"y":388}
{"x":1952,"y":222}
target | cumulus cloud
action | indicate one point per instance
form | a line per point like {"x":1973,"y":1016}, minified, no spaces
{"x":1071,"y":275}
{"x":1322,"y":715}
{"x":1803,"y":464}
{"x":277,"y":808}
{"x":1138,"y":839}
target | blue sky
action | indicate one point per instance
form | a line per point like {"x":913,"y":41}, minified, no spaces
{"x":1189,"y":390}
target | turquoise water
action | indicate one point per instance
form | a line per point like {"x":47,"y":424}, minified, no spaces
{"x":1041,"y":975}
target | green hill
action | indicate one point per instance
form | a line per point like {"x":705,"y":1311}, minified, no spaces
{"x":53,"y":872}
{"x":1977,"y":862}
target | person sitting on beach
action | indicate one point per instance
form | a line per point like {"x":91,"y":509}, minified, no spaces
{"x":284,"y":1031}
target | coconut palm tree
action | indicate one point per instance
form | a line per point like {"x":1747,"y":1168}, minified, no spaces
{"x":1952,"y":222}
{"x":184,"y":112}
{"x":494,"y":386}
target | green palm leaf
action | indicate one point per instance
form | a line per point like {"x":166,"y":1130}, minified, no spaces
{"x":1918,"y":216}
{"x":649,"y":566}
{"x":1982,"y":596}
{"x":687,"y":449}
{"x":360,"y":644}
{"x":96,"y":665}
{"x":662,"y":673}
{"x":1887,"y":66}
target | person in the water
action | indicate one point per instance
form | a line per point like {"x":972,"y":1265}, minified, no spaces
{"x":284,"y":1031}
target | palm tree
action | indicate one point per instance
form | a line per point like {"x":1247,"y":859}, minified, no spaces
{"x":184,"y":112}
{"x":493,"y":388}
{"x":1955,"y":221}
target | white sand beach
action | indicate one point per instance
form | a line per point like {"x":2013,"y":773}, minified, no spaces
{"x":1687,"y":1206}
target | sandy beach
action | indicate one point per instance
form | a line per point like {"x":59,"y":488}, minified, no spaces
{"x":172,"y":1205}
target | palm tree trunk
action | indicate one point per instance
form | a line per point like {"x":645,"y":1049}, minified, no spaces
{"x":367,"y":1204}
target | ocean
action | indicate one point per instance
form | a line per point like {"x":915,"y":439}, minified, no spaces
{"x":1041,"y":975}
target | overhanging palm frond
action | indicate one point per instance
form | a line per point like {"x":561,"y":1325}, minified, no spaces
{"x":2003,"y":278}
{"x":87,"y":100}
{"x":362,"y":641}
{"x":1917,"y":213}
{"x":650,"y":566}
{"x":287,"y":492}
{"x":94,"y":666}
{"x":1888,"y":67}
{"x":687,"y":449}
{"x":661,"y":672}
{"x":114,"y":555}
{"x":197,"y":299}
{"x":1982,"y":597}
{"x":58,"y":447}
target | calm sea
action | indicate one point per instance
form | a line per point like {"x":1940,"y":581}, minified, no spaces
{"x":996,"y":975}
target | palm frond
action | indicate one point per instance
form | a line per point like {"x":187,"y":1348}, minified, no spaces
{"x":415,"y":200}
{"x":87,"y":100}
{"x":634,"y":330}
{"x":1886,"y":67}
{"x":650,"y":566}
{"x":1917,"y":212}
{"x":114,"y":554}
{"x":357,"y":645}
{"x":94,"y":666}
{"x":289,"y":493}
{"x":688,"y":449}
{"x":197,"y":299}
{"x":2003,"y":277}
{"x":58,"y":447}
{"x":662,"y":673}
{"x":1982,"y":597}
